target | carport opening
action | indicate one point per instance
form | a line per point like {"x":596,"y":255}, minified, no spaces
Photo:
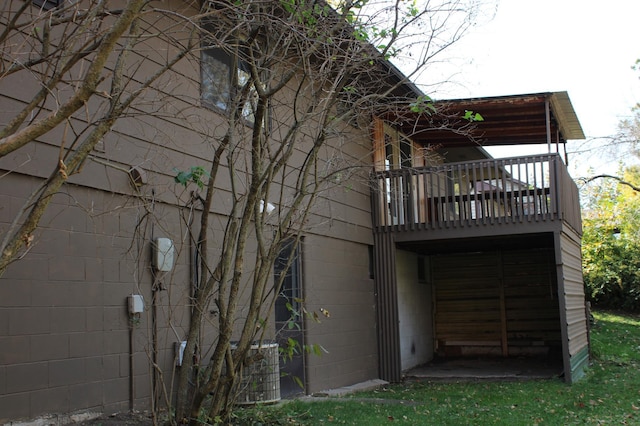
{"x":492,"y":309}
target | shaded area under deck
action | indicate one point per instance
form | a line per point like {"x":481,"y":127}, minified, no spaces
{"x":486,"y":369}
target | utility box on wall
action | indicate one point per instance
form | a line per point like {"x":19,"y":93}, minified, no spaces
{"x":163,"y":253}
{"x":136,"y":304}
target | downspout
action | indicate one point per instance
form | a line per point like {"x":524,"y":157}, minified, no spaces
{"x":131,"y":363}
{"x":154,"y":341}
{"x":155,"y":287}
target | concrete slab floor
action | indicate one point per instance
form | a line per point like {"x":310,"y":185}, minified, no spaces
{"x":487,"y":369}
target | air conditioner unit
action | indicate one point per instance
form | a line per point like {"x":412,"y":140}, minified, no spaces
{"x":260,"y":380}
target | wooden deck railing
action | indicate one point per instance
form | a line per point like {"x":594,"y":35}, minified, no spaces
{"x":494,"y":191}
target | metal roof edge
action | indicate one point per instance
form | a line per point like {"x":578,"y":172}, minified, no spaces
{"x":566,"y":116}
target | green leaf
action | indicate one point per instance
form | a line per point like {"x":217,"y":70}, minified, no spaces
{"x":194,"y":175}
{"x":423,"y":104}
{"x":473,"y":116}
{"x":316,"y":350}
{"x":298,"y":381}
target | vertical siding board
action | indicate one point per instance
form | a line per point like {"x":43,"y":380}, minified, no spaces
{"x":469,"y":202}
{"x":387,"y":307}
{"x":481,"y":194}
{"x":537,"y":208}
{"x":447,"y":196}
{"x":460,"y":195}
{"x":420,"y":200}
{"x":544,"y":201}
{"x":502,"y":190}
{"x":432,"y":211}
{"x":476,"y":198}
{"x":522,"y":197}
{"x":554,"y":210}
{"x":441,"y":205}
{"x":511,"y":199}
{"x":412,"y":198}
{"x":529,"y":185}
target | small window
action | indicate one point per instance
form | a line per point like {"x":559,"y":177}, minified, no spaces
{"x":47,"y":4}
{"x":216,"y":78}
{"x":216,"y":83}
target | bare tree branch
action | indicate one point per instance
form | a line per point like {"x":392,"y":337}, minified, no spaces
{"x":618,"y":179}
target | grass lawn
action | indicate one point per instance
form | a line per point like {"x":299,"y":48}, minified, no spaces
{"x":609,"y":394}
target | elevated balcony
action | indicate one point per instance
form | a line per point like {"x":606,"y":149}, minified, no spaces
{"x":489,"y":197}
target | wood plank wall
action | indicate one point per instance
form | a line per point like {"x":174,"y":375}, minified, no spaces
{"x":500,"y":303}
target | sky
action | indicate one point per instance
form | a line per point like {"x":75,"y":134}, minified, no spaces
{"x":584,"y":47}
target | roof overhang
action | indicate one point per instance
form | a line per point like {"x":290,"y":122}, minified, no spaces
{"x":538,"y":118}
{"x":567,"y":119}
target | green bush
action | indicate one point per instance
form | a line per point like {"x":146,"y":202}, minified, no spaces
{"x":611,"y":245}
{"x":612,"y":272}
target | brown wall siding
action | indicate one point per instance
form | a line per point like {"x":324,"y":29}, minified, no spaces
{"x":574,"y":291}
{"x":66,"y":345}
{"x":336,"y":278}
{"x":64,"y":329}
{"x":575,"y":344}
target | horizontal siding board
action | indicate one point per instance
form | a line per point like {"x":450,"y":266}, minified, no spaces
{"x":532,"y":325}
{"x":577,"y":344}
{"x":545,"y":290}
{"x":574,"y":303}
{"x":451,"y":319}
{"x":461,"y":297}
{"x":520,"y":314}
{"x":531,"y":303}
{"x":548,"y":337}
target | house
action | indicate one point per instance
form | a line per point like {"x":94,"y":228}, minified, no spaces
{"x":440,"y":250}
